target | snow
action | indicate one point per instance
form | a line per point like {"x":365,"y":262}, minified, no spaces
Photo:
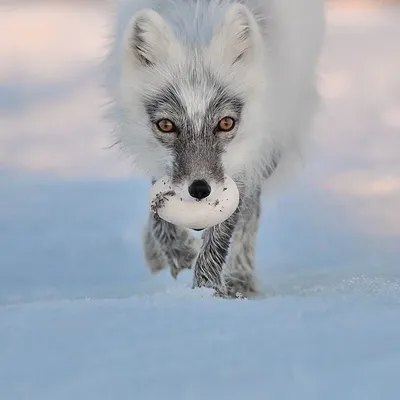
{"x":182,"y":345}
{"x":82,"y":318}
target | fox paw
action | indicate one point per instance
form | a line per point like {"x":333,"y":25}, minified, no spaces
{"x":240,"y":286}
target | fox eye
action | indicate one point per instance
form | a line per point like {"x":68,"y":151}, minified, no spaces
{"x":226,"y":124}
{"x":166,"y":126}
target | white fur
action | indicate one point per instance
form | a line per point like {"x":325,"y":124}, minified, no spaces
{"x":277,"y":73}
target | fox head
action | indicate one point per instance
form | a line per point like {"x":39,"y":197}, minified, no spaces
{"x":193,"y":112}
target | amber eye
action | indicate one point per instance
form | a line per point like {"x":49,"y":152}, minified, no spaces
{"x":226,"y":124}
{"x":166,"y":126}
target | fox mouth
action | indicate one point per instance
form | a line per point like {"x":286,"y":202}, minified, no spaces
{"x":198,"y":229}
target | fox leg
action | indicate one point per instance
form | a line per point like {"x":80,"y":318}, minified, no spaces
{"x":239,"y":276}
{"x":166,"y":244}
{"x":213,"y":253}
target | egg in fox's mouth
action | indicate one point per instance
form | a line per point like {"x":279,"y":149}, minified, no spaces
{"x":170,"y":203}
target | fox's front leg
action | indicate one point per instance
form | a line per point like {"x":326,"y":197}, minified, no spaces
{"x":213,"y":254}
{"x":239,"y":276}
{"x":166,"y":244}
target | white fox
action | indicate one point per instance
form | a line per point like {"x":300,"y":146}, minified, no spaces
{"x":204,"y":88}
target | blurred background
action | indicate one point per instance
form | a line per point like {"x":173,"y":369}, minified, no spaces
{"x":71,"y":213}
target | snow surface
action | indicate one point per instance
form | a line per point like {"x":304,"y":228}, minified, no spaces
{"x":82,"y":318}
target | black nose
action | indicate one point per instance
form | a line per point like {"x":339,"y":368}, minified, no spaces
{"x":199,"y":189}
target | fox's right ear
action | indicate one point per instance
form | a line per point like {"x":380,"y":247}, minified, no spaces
{"x":149,"y":38}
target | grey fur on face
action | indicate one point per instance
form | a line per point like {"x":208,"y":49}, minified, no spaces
{"x":196,"y":145}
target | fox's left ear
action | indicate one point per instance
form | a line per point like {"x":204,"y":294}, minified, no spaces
{"x":238,"y":37}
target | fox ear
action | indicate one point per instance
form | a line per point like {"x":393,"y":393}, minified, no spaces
{"x":237,"y":36}
{"x":150,"y":39}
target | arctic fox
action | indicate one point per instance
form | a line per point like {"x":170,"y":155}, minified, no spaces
{"x":204,"y":88}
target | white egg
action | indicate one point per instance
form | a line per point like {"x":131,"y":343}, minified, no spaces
{"x":172,"y":204}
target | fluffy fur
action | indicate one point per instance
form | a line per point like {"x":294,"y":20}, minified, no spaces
{"x":194,"y":62}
